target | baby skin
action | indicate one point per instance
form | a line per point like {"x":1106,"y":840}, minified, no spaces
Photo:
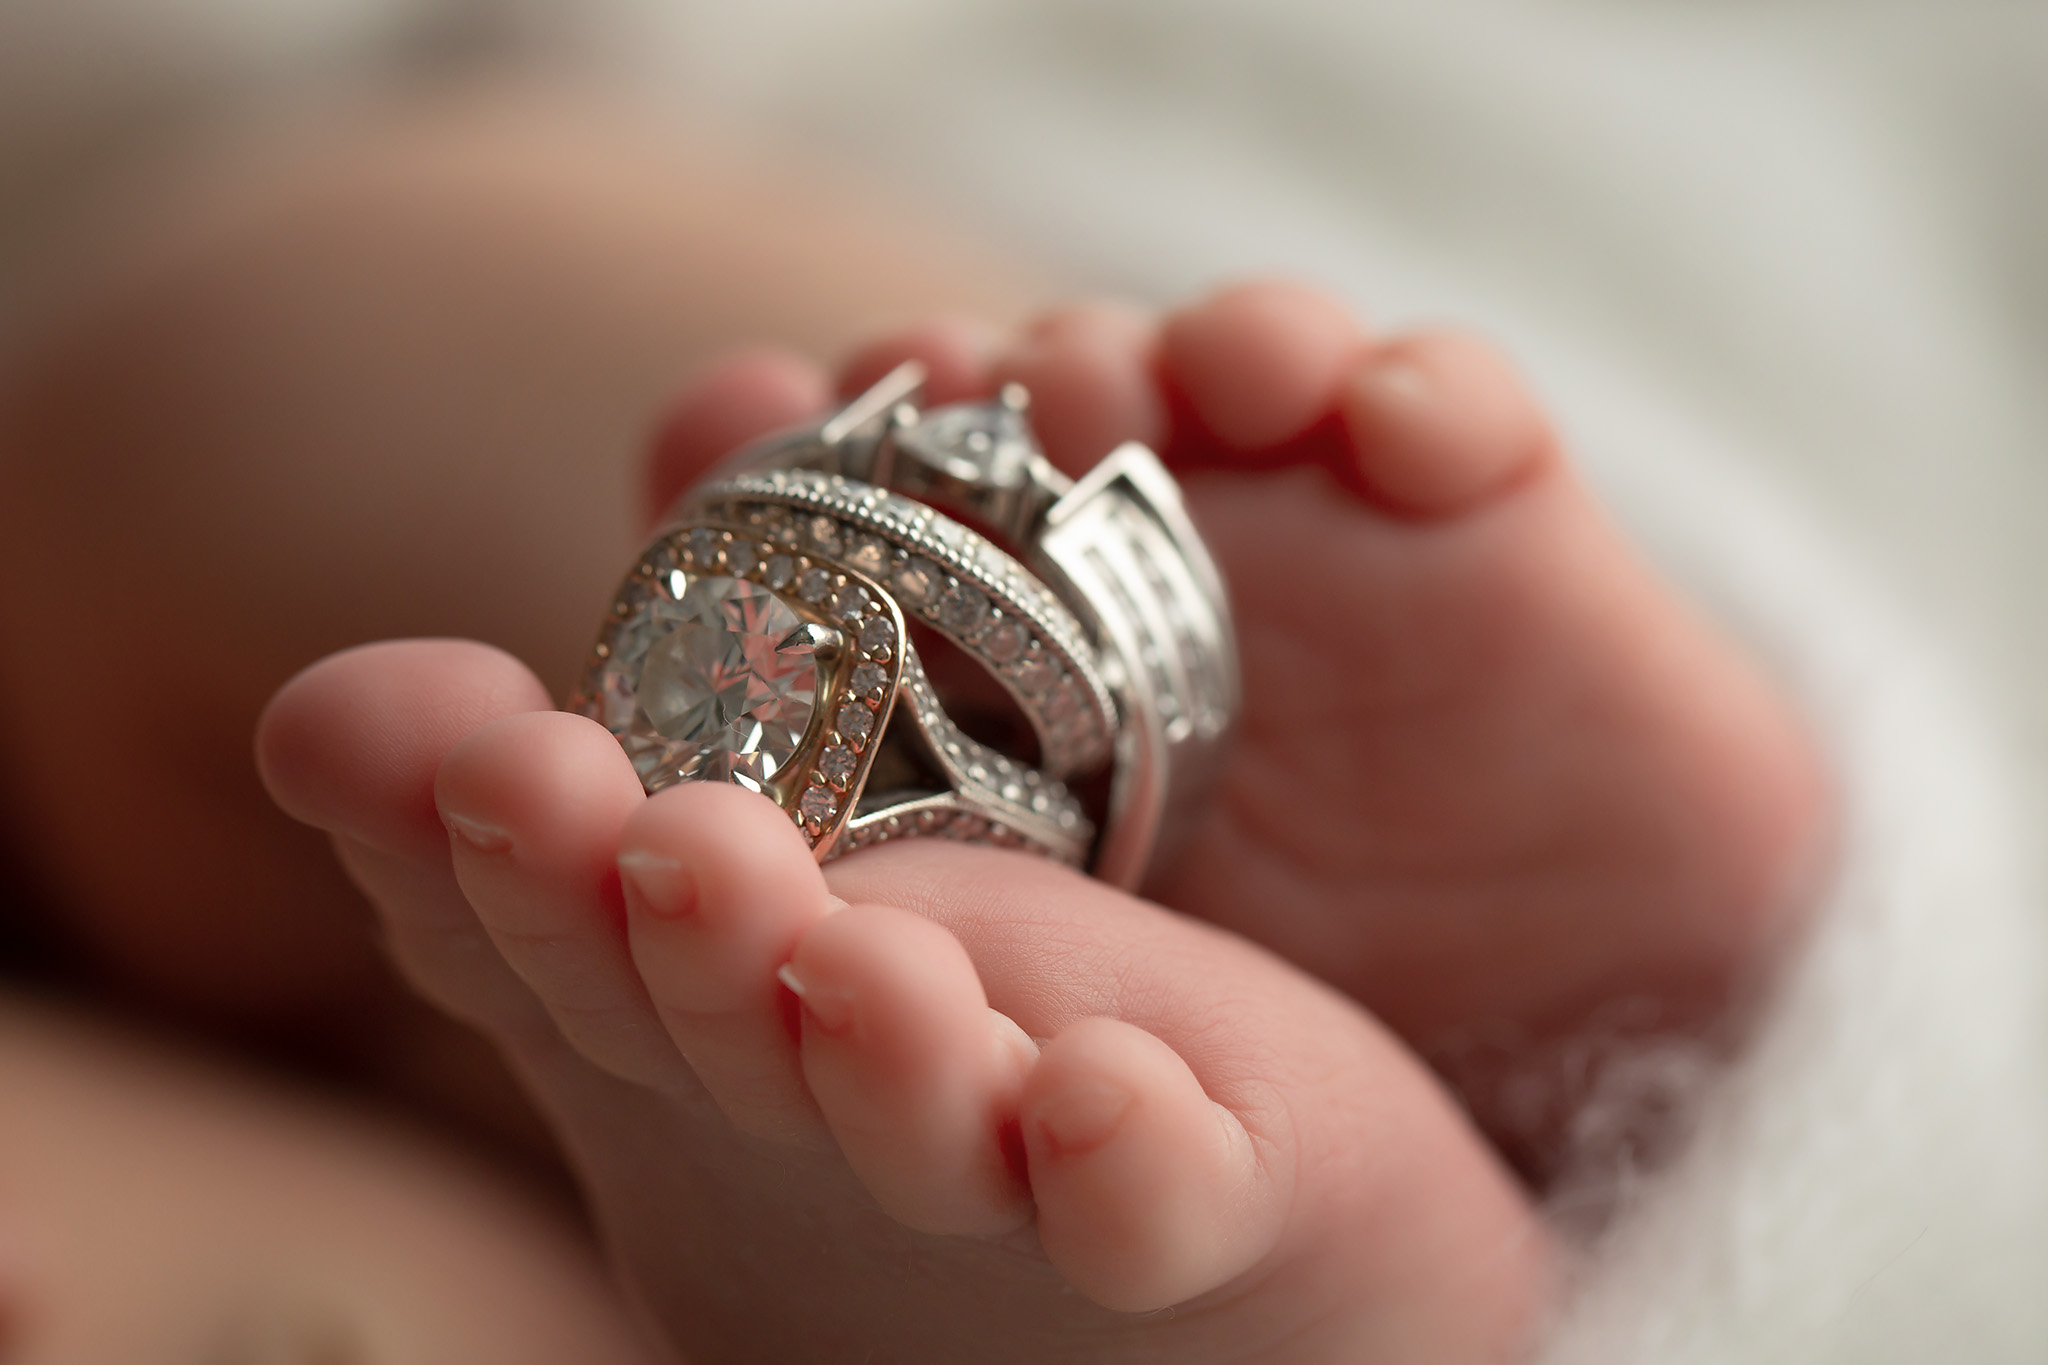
{"x":934,"y":1103}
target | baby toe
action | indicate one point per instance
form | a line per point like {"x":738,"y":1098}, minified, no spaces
{"x":1438,"y":421}
{"x":747,"y":395}
{"x":954,"y":352}
{"x":1258,"y":364}
{"x":1149,"y":1193}
{"x":352,"y":745}
{"x":916,"y":1075}
{"x":1090,"y":372}
{"x":719,"y":887}
{"x":534,"y":805}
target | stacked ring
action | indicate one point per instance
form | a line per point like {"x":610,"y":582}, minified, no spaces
{"x":762,"y":637}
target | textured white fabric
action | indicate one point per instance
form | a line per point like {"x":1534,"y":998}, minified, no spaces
{"x":1761,"y":257}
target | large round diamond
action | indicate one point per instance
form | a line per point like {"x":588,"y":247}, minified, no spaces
{"x":725,"y":686}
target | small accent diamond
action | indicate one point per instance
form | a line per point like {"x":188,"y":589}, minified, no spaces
{"x":869,"y":553}
{"x":781,"y":569}
{"x":741,"y":558}
{"x":854,"y":721}
{"x":815,"y":585}
{"x":1037,"y":674}
{"x":962,"y":608}
{"x":704,"y":547}
{"x":817,"y":804}
{"x":870,"y":679}
{"x":835,"y":765}
{"x":916,"y":581}
{"x":851,"y":600}
{"x":823,"y":533}
{"x":1004,"y":641}
{"x":877,"y":635}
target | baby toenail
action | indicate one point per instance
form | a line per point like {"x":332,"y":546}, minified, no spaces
{"x":831,"y":1010}
{"x":1081,"y":1115}
{"x":656,"y":884}
{"x":477,"y":834}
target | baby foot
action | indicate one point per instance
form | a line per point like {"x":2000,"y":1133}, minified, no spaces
{"x":1492,"y":778}
{"x":900,"y":1128}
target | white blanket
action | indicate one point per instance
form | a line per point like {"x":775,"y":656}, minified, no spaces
{"x":1763,"y":257}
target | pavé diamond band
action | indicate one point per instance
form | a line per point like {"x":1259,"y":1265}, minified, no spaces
{"x":779,"y":597}
{"x":951,"y":579}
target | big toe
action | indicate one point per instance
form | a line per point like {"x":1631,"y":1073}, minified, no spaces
{"x":353,"y":746}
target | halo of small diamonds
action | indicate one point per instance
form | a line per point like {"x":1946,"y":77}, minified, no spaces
{"x":822,"y":778}
{"x":996,"y":799}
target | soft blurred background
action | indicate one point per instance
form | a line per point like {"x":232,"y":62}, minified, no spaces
{"x":1810,"y":232}
{"x":1815,"y":233}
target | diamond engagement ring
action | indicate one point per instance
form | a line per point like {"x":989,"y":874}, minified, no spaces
{"x":762,"y":637}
